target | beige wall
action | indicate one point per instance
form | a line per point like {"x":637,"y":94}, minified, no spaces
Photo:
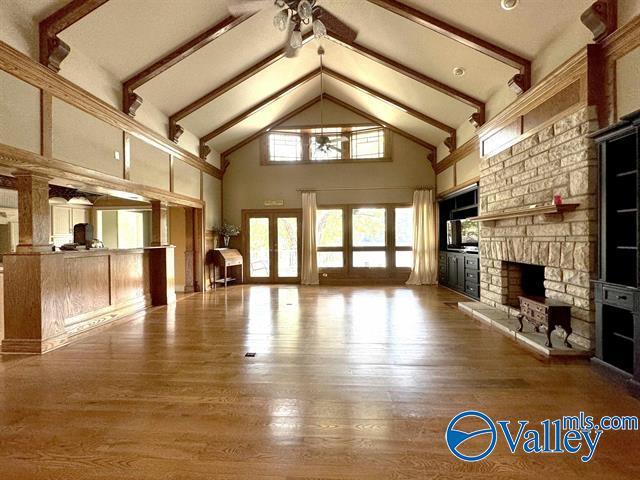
{"x":247,"y":184}
{"x":186,"y":179}
{"x":628,"y":83}
{"x":19,"y":113}
{"x":149,"y":165}
{"x":83,"y":140}
{"x":445,"y":180}
{"x":211,"y":194}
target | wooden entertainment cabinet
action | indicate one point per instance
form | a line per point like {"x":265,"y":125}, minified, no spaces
{"x":458,"y":270}
{"x":617,"y":295}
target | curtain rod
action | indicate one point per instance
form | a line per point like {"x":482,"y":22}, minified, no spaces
{"x":405,"y":187}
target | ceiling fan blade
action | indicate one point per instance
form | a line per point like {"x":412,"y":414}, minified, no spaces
{"x":337,"y":26}
{"x":237,"y":8}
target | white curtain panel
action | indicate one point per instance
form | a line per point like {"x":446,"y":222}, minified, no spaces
{"x":309,"y":274}
{"x":425,"y":239}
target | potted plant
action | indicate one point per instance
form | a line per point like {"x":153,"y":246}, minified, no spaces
{"x":226,"y":231}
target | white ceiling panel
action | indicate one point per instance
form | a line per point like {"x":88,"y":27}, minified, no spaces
{"x":384,"y":111}
{"x":124,"y":36}
{"x":250,"y":92}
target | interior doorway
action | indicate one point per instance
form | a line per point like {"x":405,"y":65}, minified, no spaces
{"x":272,"y":245}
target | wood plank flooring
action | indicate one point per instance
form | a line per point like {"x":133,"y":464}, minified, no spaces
{"x":347,"y":383}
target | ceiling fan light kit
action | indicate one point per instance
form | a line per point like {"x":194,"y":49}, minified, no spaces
{"x":294,"y":14}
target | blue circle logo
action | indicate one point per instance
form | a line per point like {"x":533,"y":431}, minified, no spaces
{"x":456,"y":437}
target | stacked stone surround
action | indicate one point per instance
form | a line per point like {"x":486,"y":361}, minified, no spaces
{"x":556,"y":160}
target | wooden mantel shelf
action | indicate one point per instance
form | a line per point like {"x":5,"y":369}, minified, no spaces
{"x":525,"y":212}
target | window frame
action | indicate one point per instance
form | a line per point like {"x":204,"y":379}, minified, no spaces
{"x":306,"y":132}
{"x":347,"y":249}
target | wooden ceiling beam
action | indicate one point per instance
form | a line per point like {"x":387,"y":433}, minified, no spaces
{"x":229,"y":84}
{"x":264,"y":130}
{"x":267,"y":101}
{"x":394,"y":103}
{"x":52,"y":49}
{"x":172,"y":58}
{"x":465,"y":38}
{"x":475,"y":103}
{"x":382,"y":123}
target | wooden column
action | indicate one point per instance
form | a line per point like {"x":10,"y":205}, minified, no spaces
{"x":189,"y":258}
{"x":159,"y":227}
{"x":198,"y":250}
{"x":33,"y":212}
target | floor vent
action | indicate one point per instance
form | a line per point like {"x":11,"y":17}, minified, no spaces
{"x":250,"y":354}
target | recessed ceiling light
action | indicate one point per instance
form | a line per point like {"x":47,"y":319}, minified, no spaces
{"x":508,"y":4}
{"x":459,"y":71}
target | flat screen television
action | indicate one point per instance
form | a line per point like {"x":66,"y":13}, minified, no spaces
{"x":462,"y":233}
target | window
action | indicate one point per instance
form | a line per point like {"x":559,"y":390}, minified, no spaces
{"x":285,"y":147}
{"x":335,"y":135}
{"x":365,"y":237}
{"x":330,"y":238}
{"x":369,"y":228}
{"x":367,"y":143}
{"x":358,"y":142}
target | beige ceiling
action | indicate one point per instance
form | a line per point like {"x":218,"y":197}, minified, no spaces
{"x":124,"y":36}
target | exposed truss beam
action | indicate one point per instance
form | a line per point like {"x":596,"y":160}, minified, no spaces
{"x":267,"y":101}
{"x":413,"y":74}
{"x":478,"y":105}
{"x":229,"y":84}
{"x":177,"y":55}
{"x":465,"y":38}
{"x":394,"y":103}
{"x":374,"y":119}
{"x":264,"y":130}
{"x":52,"y":49}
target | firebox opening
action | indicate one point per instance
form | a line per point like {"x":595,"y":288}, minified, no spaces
{"x":524,"y":279}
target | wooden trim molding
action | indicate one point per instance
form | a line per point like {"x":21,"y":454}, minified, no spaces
{"x":18,"y":159}
{"x":394,"y":103}
{"x":22,"y":67}
{"x":177,"y":55}
{"x":259,"y":106}
{"x":460,"y":186}
{"x":456,"y":34}
{"x":463,"y":151}
{"x":52,"y":49}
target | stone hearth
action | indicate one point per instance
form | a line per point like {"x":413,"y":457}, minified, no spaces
{"x":557,"y":160}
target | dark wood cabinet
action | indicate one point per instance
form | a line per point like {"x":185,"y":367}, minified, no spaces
{"x":617,"y":295}
{"x":460,"y":271}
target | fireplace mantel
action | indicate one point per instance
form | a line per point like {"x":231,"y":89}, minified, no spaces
{"x":527,"y":211}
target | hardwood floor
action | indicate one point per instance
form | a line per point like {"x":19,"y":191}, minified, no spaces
{"x":347,"y":383}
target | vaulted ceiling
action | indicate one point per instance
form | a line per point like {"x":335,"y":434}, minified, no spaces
{"x":398,"y":70}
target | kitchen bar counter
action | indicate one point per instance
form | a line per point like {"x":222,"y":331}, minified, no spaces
{"x":52,"y":296}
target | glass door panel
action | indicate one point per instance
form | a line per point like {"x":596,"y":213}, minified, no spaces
{"x":287,"y":247}
{"x":259,"y":247}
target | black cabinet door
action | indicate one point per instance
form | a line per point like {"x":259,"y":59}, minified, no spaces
{"x":460,"y":274}
{"x":452,"y":270}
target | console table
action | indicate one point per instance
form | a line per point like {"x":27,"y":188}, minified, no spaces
{"x":546,"y":311}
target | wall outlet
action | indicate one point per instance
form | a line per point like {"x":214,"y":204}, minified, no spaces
{"x":116,"y":155}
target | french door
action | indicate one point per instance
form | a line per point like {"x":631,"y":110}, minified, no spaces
{"x":272,"y":245}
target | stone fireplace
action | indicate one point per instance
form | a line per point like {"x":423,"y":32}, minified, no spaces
{"x":550,"y":255}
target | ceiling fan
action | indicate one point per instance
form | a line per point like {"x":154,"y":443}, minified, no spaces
{"x":325,"y":143}
{"x":292,"y":16}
